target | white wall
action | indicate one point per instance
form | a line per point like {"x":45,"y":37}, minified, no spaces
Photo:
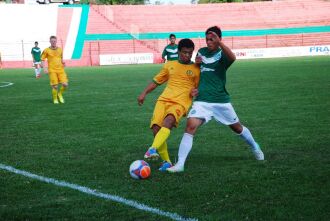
{"x":19,"y":26}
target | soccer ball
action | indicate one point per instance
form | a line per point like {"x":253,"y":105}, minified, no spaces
{"x":139,"y":169}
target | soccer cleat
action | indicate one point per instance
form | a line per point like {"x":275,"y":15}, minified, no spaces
{"x":164,"y":166}
{"x":151,"y":154}
{"x":38,"y":76}
{"x":55,"y":101}
{"x":257,"y":152}
{"x":60,"y":98}
{"x":175,"y":169}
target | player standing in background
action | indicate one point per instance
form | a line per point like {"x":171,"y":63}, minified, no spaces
{"x":57,"y":75}
{"x":36,"y":53}
{"x":182,"y":77}
{"x":171,"y":50}
{"x":213,"y":100}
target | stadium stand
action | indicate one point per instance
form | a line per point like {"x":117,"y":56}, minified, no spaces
{"x":244,"y":16}
{"x":120,"y":29}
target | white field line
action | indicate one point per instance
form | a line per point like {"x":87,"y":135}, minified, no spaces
{"x":83,"y":189}
{"x":6,"y":84}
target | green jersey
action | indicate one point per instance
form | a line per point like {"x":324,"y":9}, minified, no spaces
{"x":36,"y":53}
{"x":171,"y":51}
{"x":212,"y":84}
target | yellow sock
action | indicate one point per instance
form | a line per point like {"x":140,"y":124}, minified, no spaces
{"x":162,"y":150}
{"x":54,"y":93}
{"x":62,"y":90}
{"x":161,"y":137}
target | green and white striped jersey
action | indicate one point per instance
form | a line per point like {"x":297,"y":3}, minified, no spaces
{"x":171,"y":52}
{"x":36,"y":53}
{"x":212,"y":84}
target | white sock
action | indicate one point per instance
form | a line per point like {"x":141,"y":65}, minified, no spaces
{"x":247,"y":136}
{"x":184,"y":149}
{"x":39,"y":71}
{"x":36,"y":71}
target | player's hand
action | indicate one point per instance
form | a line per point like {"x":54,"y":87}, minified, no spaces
{"x":141,"y":98}
{"x":215,"y":36}
{"x":45,"y":70}
{"x":194,"y":92}
{"x":63,"y":63}
{"x":198,"y":60}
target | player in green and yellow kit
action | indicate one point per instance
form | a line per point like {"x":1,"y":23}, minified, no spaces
{"x":36,"y":57}
{"x":171,"y":50}
{"x":55,"y":70}
{"x":182,"y":77}
{"x":213,"y":100}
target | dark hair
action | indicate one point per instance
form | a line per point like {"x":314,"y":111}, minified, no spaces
{"x":186,"y":43}
{"x":172,"y":35}
{"x":215,"y":29}
{"x":36,"y":42}
{"x":52,"y":37}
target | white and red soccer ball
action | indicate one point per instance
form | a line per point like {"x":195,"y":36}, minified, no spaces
{"x":139,"y":169}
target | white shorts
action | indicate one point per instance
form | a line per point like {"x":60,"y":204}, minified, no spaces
{"x":37,"y":62}
{"x":222,"y":112}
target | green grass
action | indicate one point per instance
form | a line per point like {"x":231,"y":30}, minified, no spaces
{"x":92,"y":139}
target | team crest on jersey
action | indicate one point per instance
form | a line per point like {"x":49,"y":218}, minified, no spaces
{"x":189,"y":72}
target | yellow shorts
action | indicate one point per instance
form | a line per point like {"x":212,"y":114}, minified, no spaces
{"x":162,"y":109}
{"x":57,"y":77}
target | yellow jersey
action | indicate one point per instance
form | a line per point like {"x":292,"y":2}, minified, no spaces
{"x":54,"y":57}
{"x":181,"y":79}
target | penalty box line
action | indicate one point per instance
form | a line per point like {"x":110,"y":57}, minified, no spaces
{"x":88,"y":191}
{"x":6,"y":84}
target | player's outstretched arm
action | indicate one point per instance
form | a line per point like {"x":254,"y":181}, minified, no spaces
{"x":151,"y":86}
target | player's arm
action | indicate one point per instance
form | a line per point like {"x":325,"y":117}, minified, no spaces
{"x":43,"y":58}
{"x":228,"y":52}
{"x":225,"y":49}
{"x":194,"y":91}
{"x":150,"y":87}
{"x":32,"y":56}
{"x":43,"y":65}
{"x":198,"y":59}
{"x":164,"y":54}
{"x":62,"y":59}
{"x":159,"y":79}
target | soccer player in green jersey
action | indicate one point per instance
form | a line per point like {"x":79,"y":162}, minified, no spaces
{"x":36,"y":57}
{"x":213,"y":100}
{"x":171,"y":50}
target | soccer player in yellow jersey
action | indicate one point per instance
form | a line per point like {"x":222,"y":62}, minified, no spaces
{"x":182,"y":77}
{"x":55,"y":70}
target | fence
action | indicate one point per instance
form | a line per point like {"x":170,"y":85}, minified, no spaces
{"x":20,"y":51}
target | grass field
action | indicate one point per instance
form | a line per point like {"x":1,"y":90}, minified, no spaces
{"x":92,"y":139}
